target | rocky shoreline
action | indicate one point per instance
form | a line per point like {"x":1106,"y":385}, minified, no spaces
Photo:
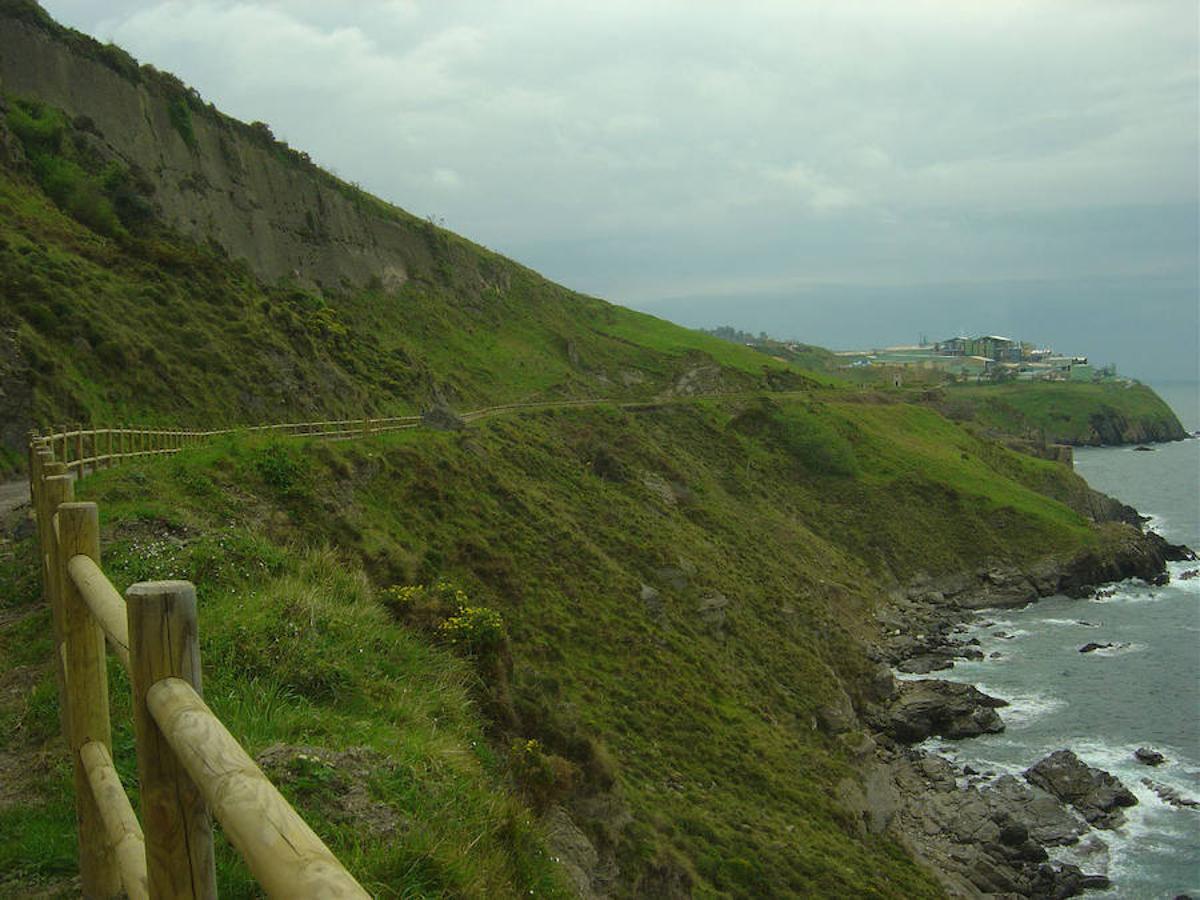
{"x":983,"y":835}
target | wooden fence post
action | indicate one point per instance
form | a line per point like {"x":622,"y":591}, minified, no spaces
{"x":112,"y":458}
{"x":164,"y":643}
{"x":57,"y":487}
{"x":87,"y":695}
{"x":79,"y":447}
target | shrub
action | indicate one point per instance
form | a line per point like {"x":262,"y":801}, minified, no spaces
{"x":544,"y":778}
{"x":39,"y":128}
{"x":478,"y":629}
{"x":814,"y":444}
{"x":425,"y":607}
{"x":279,"y":468}
{"x":181,"y":118}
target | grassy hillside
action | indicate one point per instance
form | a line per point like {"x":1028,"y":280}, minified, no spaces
{"x":1066,"y":413}
{"x":110,"y":317}
{"x":683,"y":589}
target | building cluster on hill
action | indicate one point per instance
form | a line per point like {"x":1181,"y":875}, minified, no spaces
{"x":985,"y":358}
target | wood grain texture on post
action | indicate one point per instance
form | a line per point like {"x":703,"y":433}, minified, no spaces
{"x":124,"y":833}
{"x":87,"y":694}
{"x":164,"y":643}
{"x":284,"y":853}
{"x":57,"y":487}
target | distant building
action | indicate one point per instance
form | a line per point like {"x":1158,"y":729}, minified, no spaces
{"x":986,"y":357}
{"x":955,"y":346}
{"x":993,"y":346}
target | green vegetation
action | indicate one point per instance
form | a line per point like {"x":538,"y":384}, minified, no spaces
{"x":118,"y":319}
{"x":498,"y":573}
{"x":299,"y":657}
{"x":1066,"y":413}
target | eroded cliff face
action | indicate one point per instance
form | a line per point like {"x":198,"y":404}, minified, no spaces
{"x":216,"y":179}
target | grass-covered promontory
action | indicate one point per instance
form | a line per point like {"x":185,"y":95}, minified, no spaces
{"x":683,"y":591}
{"x":1067,"y":413}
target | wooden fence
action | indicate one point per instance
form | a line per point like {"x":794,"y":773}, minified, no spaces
{"x":189,"y":766}
{"x":81,"y":448}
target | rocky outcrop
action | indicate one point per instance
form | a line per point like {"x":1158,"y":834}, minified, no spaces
{"x":1148,"y":757}
{"x":980,"y":838}
{"x":215,"y":178}
{"x":1170,"y":795}
{"x":936,"y":603}
{"x":922,"y":709}
{"x":1109,"y":427}
{"x":1098,"y":796}
{"x":440,"y":417}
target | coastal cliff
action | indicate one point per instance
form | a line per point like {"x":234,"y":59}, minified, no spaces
{"x":213,"y":178}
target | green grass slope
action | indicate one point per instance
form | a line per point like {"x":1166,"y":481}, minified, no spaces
{"x":1067,"y":413}
{"x":677,"y":725}
{"x":377,"y":740}
{"x":108,"y":317}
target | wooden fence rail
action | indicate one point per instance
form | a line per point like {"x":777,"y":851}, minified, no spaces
{"x":188,"y":764}
{"x":82,"y":448}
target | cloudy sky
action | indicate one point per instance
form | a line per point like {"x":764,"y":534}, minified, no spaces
{"x":847,"y":173}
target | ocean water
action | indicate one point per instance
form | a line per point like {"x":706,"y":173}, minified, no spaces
{"x":1144,"y":692}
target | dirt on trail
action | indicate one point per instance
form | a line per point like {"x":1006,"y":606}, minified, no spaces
{"x":12,"y":495}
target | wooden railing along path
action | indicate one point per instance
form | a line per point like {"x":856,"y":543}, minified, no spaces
{"x":101,"y":447}
{"x":189,"y":766}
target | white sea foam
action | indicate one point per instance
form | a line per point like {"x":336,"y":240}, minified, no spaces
{"x":1078,"y":623}
{"x":1188,"y":585}
{"x":1152,"y":827}
{"x":1131,"y":591}
{"x":1023,"y":708}
{"x":1154,"y":522}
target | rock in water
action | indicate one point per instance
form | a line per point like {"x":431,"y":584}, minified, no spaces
{"x":925,"y":708}
{"x":924,"y":664}
{"x":1169,"y":795}
{"x":1097,"y":795}
{"x":1149,"y":757}
{"x":1092,"y":645}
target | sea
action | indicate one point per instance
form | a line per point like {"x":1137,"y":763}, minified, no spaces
{"x":1104,"y":705}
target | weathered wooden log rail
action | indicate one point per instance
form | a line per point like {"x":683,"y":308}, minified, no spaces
{"x":189,"y":766}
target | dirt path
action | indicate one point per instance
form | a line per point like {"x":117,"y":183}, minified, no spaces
{"x":12,"y":495}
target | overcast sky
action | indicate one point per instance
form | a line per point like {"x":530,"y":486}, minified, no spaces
{"x":848,"y":173}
